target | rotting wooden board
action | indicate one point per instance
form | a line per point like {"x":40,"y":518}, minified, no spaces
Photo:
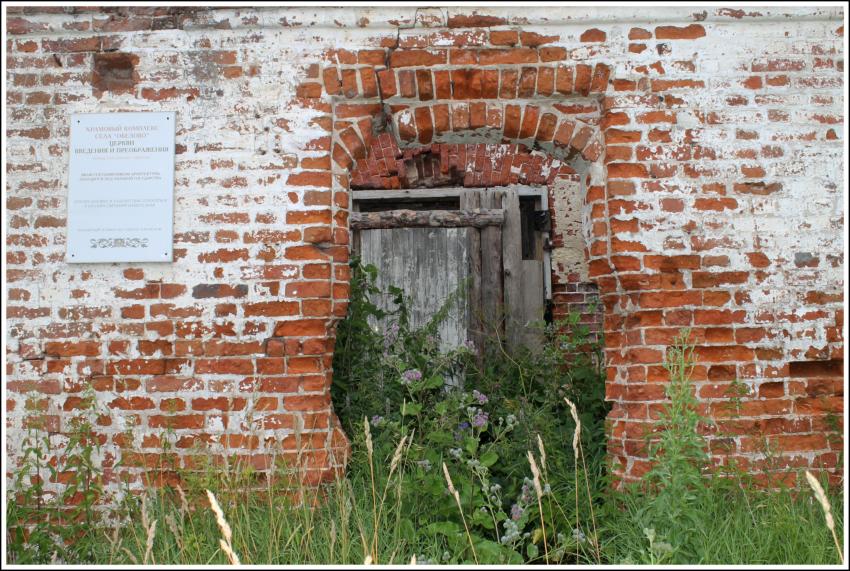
{"x":397,"y":195}
{"x":512,"y":264}
{"x":471,"y":199}
{"x":420,"y":193}
{"x":531,"y":309}
{"x":478,"y":218}
{"x":491,"y":270}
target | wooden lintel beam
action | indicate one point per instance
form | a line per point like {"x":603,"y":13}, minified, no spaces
{"x":478,"y":218}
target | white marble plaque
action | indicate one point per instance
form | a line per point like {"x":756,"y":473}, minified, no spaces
{"x":121,"y":187}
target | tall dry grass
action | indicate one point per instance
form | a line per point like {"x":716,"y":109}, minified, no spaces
{"x":827,"y":511}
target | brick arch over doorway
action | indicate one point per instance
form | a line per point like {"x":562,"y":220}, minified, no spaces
{"x":549,"y":118}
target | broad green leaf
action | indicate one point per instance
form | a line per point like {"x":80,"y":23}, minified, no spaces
{"x":411,"y":408}
{"x":489,"y":458}
{"x":433,"y":382}
{"x":447,"y":528}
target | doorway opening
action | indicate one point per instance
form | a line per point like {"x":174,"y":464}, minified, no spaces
{"x":490,"y":244}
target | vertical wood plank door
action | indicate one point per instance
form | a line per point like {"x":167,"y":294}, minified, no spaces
{"x":430,"y":265}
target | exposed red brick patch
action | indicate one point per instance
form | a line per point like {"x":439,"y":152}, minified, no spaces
{"x":690,"y":32}
{"x":115,"y":72}
{"x":593,"y":35}
{"x":474,"y":20}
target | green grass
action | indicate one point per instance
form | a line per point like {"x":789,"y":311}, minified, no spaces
{"x":731,"y":526}
{"x":394,"y":504}
{"x":731,"y":522}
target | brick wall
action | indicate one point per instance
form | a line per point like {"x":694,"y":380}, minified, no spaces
{"x":700,"y":151}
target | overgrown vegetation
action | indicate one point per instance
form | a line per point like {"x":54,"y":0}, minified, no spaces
{"x":454,"y":460}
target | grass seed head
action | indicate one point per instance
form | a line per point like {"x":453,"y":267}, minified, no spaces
{"x":449,"y":481}
{"x":542,"y":452}
{"x":577,"y":434}
{"x":535,"y":471}
{"x":397,"y":455}
{"x":822,"y":499}
{"x":219,"y":518}
{"x":151,"y":531}
{"x":369,"y":447}
{"x":228,"y":551}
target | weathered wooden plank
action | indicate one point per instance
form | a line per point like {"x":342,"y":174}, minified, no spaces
{"x":512,"y":263}
{"x":417,"y":193}
{"x":414,"y":194}
{"x":520,"y":190}
{"x":470,"y":199}
{"x":491,"y":270}
{"x":532,"y":305}
{"x":478,"y":218}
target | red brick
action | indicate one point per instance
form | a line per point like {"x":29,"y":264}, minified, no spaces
{"x":530,"y":119}
{"x":583,"y":78}
{"x":443,"y":86}
{"x":504,"y":37}
{"x":301,"y":328}
{"x":407,"y":83}
{"x":639,"y":34}
{"x":417,"y":58}
{"x":424,"y":124}
{"x":508,"y":87}
{"x":474,"y":20}
{"x":690,"y":32}
{"x":72,"y":349}
{"x":188,"y":421}
{"x":549,"y":54}
{"x":489,"y":79}
{"x":627,"y":170}
{"x":387,"y":83}
{"x":593,"y":35}
{"x":426,"y":87}
{"x":320,"y":179}
{"x":527,"y":82}
{"x":512,"y":120}
{"x":271,"y":308}
{"x":533,"y":39}
{"x":508,"y":56}
{"x":564,"y":133}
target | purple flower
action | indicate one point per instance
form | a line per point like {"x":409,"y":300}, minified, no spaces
{"x":480,"y":397}
{"x":516,"y":512}
{"x":463,"y":425}
{"x":376,"y":420}
{"x":480,"y":419}
{"x":410,"y":375}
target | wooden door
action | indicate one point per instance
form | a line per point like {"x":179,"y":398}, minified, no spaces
{"x":478,"y":237}
{"x":430,"y":265}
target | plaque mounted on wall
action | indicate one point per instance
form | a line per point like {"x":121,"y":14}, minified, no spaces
{"x":121,"y":187}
